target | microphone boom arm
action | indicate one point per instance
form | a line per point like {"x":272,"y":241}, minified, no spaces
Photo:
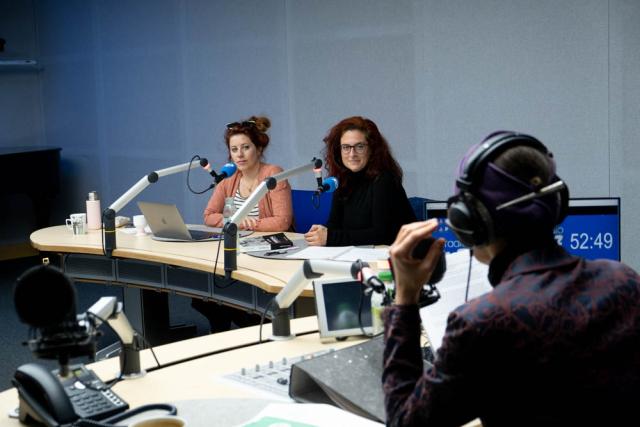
{"x":230,"y":229}
{"x":109,"y":310}
{"x":109,"y":214}
{"x":310,"y":269}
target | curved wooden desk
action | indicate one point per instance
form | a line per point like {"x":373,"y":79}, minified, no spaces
{"x":149,"y":270}
{"x":192,"y":368}
{"x":269,"y":275}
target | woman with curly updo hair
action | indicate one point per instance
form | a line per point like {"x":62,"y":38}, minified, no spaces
{"x":370,"y":204}
{"x":246,"y":142}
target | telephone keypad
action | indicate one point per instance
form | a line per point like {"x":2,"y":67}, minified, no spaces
{"x":89,"y":397}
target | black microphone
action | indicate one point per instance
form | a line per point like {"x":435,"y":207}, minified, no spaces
{"x":318,"y":174}
{"x":420,"y":251}
{"x":206,"y":166}
{"x":328,"y":185}
{"x":45,"y":298}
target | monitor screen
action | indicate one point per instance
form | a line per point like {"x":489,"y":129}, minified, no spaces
{"x":590,"y":230}
{"x":338,"y":301}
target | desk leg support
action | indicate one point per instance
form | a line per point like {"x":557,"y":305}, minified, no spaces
{"x":148,"y":312}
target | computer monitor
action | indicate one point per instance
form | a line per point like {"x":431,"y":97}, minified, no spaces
{"x":338,"y":302}
{"x":590,"y":230}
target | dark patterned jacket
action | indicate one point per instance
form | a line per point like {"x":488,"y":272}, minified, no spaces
{"x":556,"y":342}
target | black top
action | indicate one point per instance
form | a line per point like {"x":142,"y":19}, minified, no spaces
{"x":371,"y":214}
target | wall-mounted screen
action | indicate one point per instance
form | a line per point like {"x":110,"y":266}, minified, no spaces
{"x":590,"y":230}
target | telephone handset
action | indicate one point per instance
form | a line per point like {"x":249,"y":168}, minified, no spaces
{"x":55,"y":401}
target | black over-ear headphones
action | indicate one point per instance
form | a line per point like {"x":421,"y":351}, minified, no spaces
{"x":467,"y":216}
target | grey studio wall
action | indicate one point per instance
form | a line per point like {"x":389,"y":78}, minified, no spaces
{"x":132,"y":86}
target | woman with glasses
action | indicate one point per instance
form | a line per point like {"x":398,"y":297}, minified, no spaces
{"x":246,"y":142}
{"x":370,"y":204}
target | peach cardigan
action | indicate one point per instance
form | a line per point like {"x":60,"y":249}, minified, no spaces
{"x":276,"y":212}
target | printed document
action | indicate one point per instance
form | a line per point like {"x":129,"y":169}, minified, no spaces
{"x":452,"y":289}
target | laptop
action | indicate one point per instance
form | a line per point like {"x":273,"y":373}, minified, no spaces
{"x":167,"y":224}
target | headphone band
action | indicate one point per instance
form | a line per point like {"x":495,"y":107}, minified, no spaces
{"x":492,"y":202}
{"x":490,"y":148}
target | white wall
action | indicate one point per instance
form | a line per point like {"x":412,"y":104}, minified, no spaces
{"x":135,"y":86}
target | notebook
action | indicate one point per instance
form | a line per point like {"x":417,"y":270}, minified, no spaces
{"x":167,"y":224}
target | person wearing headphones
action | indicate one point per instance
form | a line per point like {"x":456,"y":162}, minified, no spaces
{"x":557,"y":339}
{"x":370,"y":204}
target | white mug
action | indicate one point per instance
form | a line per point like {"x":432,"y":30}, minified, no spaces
{"x":161,"y":421}
{"x":139,"y":222}
{"x":77,"y":223}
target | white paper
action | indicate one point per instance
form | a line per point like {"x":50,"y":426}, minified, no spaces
{"x":365,"y":254}
{"x":452,"y":289}
{"x":320,"y":252}
{"x":311,"y":414}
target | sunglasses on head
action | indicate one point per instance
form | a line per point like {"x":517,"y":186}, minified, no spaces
{"x":244,"y":124}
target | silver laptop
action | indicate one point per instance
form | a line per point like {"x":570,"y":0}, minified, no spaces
{"x":167,"y":224}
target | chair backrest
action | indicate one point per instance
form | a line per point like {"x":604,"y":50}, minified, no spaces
{"x":309,"y":209}
{"x":419,"y":205}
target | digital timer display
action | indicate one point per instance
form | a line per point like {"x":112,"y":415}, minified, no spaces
{"x":590,"y":230}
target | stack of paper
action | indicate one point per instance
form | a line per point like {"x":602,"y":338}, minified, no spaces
{"x":342,"y":253}
{"x":452,"y":289}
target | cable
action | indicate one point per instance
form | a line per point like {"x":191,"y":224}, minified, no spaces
{"x":466,"y":292}
{"x":189,"y":173}
{"x":153,"y":353}
{"x":104,"y":249}
{"x":262,"y":317}
{"x":144,"y":339}
{"x":360,"y":306}
{"x":111,"y":422}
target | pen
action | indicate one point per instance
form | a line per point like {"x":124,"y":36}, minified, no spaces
{"x":275,"y":253}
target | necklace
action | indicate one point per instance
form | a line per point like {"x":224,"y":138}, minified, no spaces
{"x":246,"y":187}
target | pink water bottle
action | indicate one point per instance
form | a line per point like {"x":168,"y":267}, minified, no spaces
{"x":94,"y":214}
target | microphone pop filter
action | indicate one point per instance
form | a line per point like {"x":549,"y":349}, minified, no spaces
{"x":44,"y":296}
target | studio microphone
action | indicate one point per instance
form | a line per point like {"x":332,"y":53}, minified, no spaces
{"x":317,"y":172}
{"x":206,"y":166}
{"x":227,"y":170}
{"x":45,"y":299}
{"x":328,"y":185}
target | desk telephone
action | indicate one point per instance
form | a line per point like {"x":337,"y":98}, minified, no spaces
{"x":57,"y":401}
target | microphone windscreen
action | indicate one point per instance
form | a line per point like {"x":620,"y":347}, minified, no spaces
{"x":228,"y":169}
{"x":204,"y":162}
{"x":44,"y":296}
{"x":331,"y":184}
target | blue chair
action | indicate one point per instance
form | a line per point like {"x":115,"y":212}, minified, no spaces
{"x":305,"y":214}
{"x":419,"y":205}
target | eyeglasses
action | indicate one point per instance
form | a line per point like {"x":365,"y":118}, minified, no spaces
{"x":359,"y":148}
{"x":245,"y":124}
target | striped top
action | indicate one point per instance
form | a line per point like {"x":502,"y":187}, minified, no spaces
{"x":238,"y":201}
